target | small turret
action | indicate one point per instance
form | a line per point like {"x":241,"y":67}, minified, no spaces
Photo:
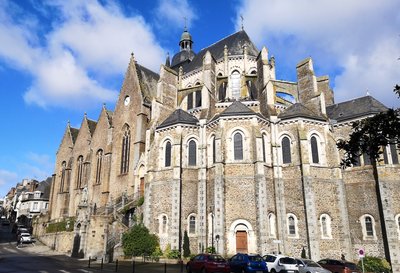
{"x":186,"y":41}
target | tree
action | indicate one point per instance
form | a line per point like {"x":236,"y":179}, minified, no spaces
{"x":368,"y":137}
{"x":186,"y":245}
{"x":371,"y":134}
{"x":138,"y":241}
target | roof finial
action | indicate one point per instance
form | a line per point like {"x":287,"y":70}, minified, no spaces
{"x":241,"y":17}
{"x":184,"y":18}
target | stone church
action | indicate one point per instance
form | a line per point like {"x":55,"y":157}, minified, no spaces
{"x":216,"y":146}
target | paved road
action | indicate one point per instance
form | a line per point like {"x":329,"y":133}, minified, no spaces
{"x":41,"y":259}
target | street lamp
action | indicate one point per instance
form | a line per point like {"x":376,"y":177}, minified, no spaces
{"x":212,"y":232}
{"x":217,"y":240}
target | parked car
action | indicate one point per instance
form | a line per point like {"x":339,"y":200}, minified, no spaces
{"x":25,"y":238}
{"x":309,"y":266}
{"x":207,"y":263}
{"x":281,"y":263}
{"x":339,"y":266}
{"x":249,"y":263}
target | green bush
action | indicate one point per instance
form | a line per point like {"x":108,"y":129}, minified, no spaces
{"x":174,"y":254}
{"x":155,"y":256}
{"x":210,"y":249}
{"x":375,"y":264}
{"x":138,"y":241}
{"x":140,"y":201}
{"x":66,"y":225}
{"x":186,"y":245}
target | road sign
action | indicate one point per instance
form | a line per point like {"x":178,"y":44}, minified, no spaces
{"x":361,"y":253}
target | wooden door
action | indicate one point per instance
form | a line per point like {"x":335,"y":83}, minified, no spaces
{"x":141,"y":186}
{"x":241,"y":242}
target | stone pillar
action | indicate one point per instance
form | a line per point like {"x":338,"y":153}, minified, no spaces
{"x":279,"y":187}
{"x":202,"y":201}
{"x":219,"y":197}
{"x":308,"y":194}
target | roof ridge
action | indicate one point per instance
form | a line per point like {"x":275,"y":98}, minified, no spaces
{"x":223,"y":39}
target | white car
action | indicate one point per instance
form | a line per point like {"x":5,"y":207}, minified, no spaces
{"x":25,"y":238}
{"x":281,"y":263}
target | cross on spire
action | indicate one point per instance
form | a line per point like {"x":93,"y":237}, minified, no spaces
{"x":184,"y":18}
{"x":241,"y":17}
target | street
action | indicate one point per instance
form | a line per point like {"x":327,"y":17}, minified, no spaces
{"x":39,"y":258}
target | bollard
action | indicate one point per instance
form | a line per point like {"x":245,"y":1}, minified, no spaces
{"x":133,"y":266}
{"x":101,"y":266}
{"x":165,"y":267}
{"x":89,"y":262}
{"x":116,"y":265}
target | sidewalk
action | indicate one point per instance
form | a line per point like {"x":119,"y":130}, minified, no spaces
{"x":39,"y":248}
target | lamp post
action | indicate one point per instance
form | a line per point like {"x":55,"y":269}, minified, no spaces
{"x":217,"y":240}
{"x":212,"y":232}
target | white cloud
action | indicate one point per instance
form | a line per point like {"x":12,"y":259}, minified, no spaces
{"x":355,"y":42}
{"x":174,"y":12}
{"x":88,"y":41}
{"x":7,"y":180}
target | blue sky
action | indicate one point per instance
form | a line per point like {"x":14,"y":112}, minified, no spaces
{"x":60,"y":59}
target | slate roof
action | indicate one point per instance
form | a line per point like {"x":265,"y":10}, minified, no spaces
{"x":356,"y":108}
{"x":148,"y":81}
{"x":74,"y":133}
{"x":237,"y":109}
{"x":179,"y":117}
{"x":234,"y":42}
{"x":299,"y":110}
{"x":44,"y":187}
{"x":92,"y":126}
{"x":181,"y":57}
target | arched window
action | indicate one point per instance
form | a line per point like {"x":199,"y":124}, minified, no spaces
{"x":79,"y":173}
{"x":99,"y":156}
{"x":286,"y":153}
{"x":367,"y":159}
{"x":198,"y":98}
{"x":62,"y":181}
{"x":263,"y":136}
{"x":214,"y":147}
{"x":192,"y":153}
{"x":325,"y":221}
{"x":292,"y":225}
{"x":390,"y":152}
{"x":235,"y":84}
{"x":190,"y":101}
{"x":393,"y":151}
{"x":167,"y":155}
{"x":368,"y":227}
{"x":272,"y":225}
{"x":222,"y":91}
{"x":163,"y":228}
{"x":238,"y":146}
{"x":126,"y":143}
{"x":192,"y":224}
{"x":397,"y":220}
{"x":314,"y":150}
